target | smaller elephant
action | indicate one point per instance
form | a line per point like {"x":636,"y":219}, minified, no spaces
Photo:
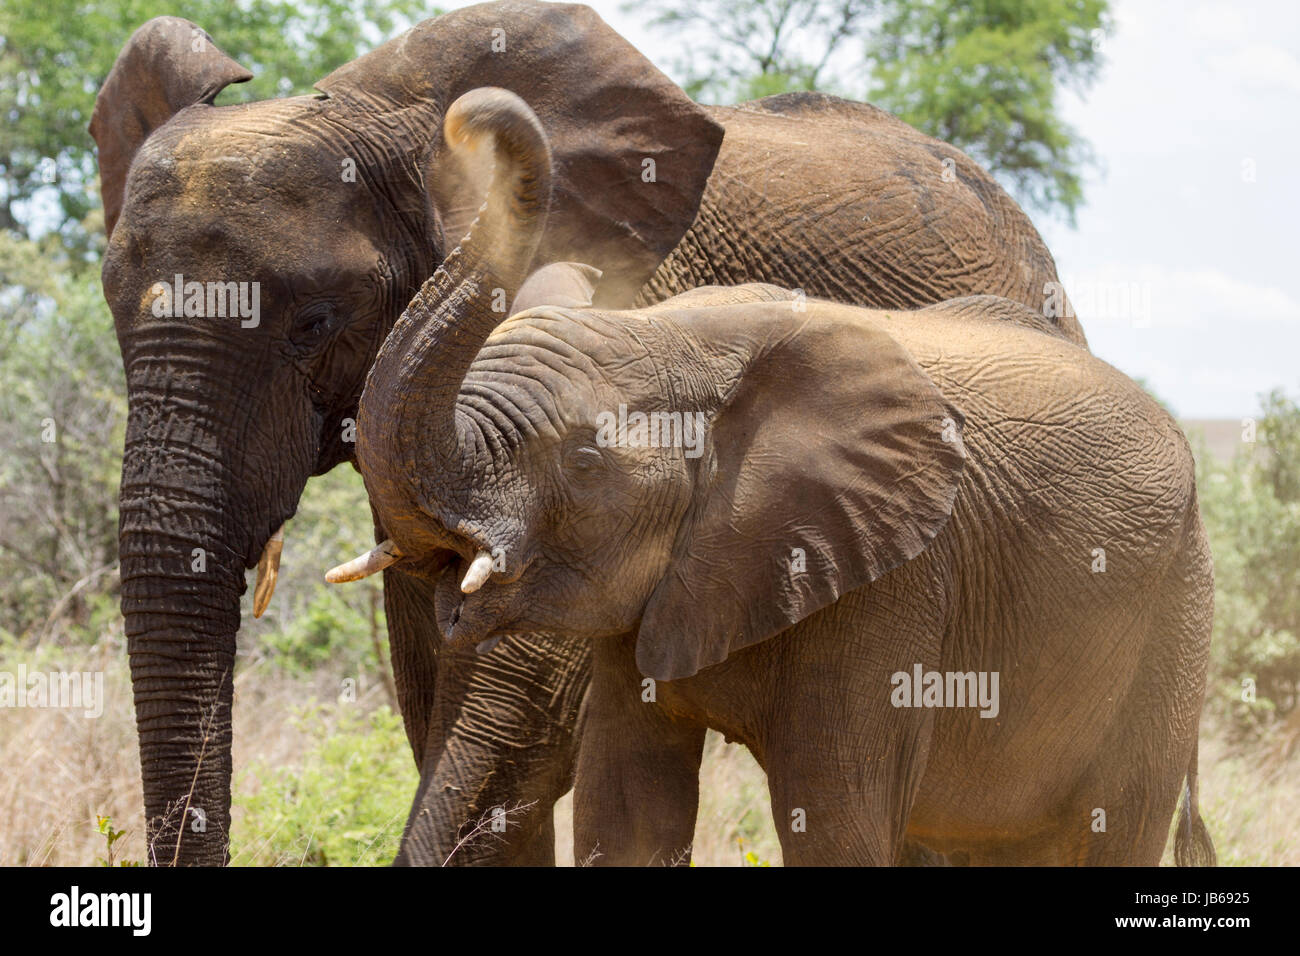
{"x":943,"y":572}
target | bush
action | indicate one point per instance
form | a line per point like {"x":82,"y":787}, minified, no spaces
{"x":345,"y":804}
{"x":64,"y":407}
{"x":1251,"y":509}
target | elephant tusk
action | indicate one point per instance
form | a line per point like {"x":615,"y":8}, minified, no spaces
{"x":479,"y":571}
{"x":268,"y":572}
{"x":384,"y":554}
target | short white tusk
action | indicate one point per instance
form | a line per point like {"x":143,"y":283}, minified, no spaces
{"x":268,"y":572}
{"x":479,"y":571}
{"x":384,"y":554}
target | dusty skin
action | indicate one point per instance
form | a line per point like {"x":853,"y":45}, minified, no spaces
{"x":947,"y":476}
{"x":339,"y":205}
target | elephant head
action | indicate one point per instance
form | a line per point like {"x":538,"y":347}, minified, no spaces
{"x":592,"y":473}
{"x":258,"y":256}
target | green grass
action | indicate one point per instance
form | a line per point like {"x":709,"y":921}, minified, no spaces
{"x":343,"y":804}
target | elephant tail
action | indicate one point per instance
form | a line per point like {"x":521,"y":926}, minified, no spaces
{"x":1192,"y":843}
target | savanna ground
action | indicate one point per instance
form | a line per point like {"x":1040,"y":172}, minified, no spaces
{"x":324,"y":774}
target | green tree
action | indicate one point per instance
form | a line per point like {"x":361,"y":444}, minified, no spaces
{"x":759,"y":47}
{"x":984,"y":75}
{"x":55,"y":55}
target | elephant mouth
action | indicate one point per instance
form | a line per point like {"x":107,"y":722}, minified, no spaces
{"x":467,"y":618}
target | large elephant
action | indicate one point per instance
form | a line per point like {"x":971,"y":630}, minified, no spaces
{"x":327,"y":212}
{"x":827,"y":528}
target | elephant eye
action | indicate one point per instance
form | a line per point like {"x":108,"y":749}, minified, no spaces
{"x":314,"y":324}
{"x":584,"y":460}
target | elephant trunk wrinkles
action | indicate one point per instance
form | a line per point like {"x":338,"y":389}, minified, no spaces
{"x":188,"y":530}
{"x":431,"y":348}
{"x":517,"y":707}
{"x":180,"y":599}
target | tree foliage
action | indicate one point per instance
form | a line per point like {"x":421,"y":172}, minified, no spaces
{"x":64,"y":409}
{"x":55,"y":55}
{"x":755,"y":48}
{"x":984,"y":75}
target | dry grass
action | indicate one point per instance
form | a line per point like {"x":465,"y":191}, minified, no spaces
{"x":59,"y":770}
{"x":1250,"y":799}
{"x":734,"y":824}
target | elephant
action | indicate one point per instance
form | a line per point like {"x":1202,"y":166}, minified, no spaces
{"x":258,"y":255}
{"x":862,"y":542}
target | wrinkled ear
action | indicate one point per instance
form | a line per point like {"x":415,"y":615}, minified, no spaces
{"x":167,"y":65}
{"x":631,"y":152}
{"x":568,"y":285}
{"x":833,"y":460}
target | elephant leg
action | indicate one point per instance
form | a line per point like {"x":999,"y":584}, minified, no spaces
{"x":636,"y":792}
{"x":1119,"y":812}
{"x":1143,"y":767}
{"x":918,"y":854}
{"x":844,"y":764}
{"x":828,"y":815}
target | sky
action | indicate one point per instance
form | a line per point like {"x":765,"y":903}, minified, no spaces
{"x":1182,"y":265}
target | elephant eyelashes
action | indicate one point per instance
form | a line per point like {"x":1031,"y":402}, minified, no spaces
{"x":584,"y":461}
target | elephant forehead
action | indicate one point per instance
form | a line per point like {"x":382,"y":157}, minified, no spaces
{"x":257,"y":142}
{"x":633,"y":356}
{"x":233,"y":190}
{"x":538,"y":379}
{"x":611,"y":346}
{"x":612,"y":352}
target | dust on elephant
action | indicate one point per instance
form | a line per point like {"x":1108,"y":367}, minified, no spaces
{"x":861,"y":542}
{"x":299,"y":229}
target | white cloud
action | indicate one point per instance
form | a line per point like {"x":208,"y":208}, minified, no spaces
{"x":1159,"y":296}
{"x":1218,"y":22}
{"x":1259,"y":66}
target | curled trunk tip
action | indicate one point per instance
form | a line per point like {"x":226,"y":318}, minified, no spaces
{"x":433,"y":344}
{"x":517,"y":202}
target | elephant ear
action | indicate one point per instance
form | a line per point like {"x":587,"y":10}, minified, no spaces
{"x":568,"y":285}
{"x":631,"y":152}
{"x":833,"y":459}
{"x":167,"y":65}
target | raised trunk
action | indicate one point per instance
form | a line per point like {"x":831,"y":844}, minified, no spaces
{"x":439,"y":335}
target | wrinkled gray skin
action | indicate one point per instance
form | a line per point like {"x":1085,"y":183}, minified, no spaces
{"x":877,"y":492}
{"x":226,"y":423}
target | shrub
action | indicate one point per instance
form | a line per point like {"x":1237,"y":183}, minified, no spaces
{"x":344,"y":804}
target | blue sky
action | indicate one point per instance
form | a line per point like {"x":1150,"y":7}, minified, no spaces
{"x":1182,"y":266}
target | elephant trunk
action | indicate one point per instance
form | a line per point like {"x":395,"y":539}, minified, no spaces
{"x":188,"y":531}
{"x":516,"y":707}
{"x":180,"y":599}
{"x":430,"y":350}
